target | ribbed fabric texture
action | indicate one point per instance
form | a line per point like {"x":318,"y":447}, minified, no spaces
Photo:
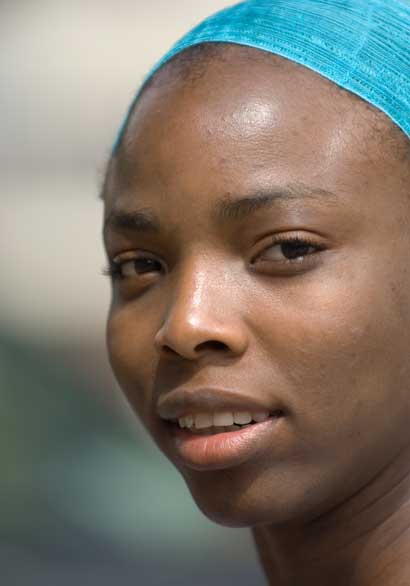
{"x":361,"y":45}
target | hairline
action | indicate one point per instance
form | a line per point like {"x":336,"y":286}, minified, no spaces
{"x":189,"y":67}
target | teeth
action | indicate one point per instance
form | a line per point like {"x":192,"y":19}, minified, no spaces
{"x":224,"y":419}
{"x":260,"y":416}
{"x":242,"y":417}
{"x":203,"y":420}
{"x":214,"y":430}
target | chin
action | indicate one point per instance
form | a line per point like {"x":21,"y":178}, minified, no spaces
{"x":233,"y":499}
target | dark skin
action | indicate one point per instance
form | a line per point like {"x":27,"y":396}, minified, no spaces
{"x":219,"y":303}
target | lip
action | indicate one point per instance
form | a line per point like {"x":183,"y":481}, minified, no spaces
{"x":188,"y":401}
{"x":226,"y":449}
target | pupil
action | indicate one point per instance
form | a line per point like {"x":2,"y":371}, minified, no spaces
{"x":295,"y":249}
{"x":145,"y":265}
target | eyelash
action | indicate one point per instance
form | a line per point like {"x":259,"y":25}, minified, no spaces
{"x":114,"y":268}
{"x":113,"y":271}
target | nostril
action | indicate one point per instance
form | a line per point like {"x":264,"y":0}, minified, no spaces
{"x":211,"y":345}
{"x":168,"y":350}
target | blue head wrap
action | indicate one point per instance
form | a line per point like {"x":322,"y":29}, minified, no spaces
{"x":361,"y":45}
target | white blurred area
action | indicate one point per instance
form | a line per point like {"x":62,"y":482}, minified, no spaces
{"x":68,"y":71}
{"x":85,"y":497}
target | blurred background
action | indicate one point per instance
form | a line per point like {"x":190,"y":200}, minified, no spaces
{"x":84,"y":496}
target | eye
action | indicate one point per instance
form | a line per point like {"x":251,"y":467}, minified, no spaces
{"x":131,"y":268}
{"x":139,"y":266}
{"x":290,"y":250}
{"x":287,"y":253}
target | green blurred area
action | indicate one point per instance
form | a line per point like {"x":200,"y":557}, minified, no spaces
{"x":79,"y":484}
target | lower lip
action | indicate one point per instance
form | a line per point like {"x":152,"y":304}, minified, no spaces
{"x":226,"y":449}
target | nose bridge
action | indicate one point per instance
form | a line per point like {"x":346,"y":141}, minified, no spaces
{"x":200,"y":312}
{"x":194,"y":285}
{"x":198,"y":284}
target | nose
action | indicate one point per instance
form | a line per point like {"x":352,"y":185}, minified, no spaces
{"x":201,"y":318}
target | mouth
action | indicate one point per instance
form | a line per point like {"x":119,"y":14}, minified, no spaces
{"x":201,"y":442}
{"x":227,"y":421}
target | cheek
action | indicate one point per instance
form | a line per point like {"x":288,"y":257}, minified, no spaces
{"x":340,"y":346}
{"x":338,"y":356}
{"x":133,"y":361}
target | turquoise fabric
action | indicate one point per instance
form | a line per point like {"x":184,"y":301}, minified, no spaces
{"x":361,"y":45}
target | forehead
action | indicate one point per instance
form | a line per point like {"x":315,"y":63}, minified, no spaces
{"x":243,"y":113}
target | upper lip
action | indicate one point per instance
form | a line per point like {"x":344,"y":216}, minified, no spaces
{"x":191,"y":401}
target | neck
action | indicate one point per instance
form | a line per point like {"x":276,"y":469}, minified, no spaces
{"x":364,"y":541}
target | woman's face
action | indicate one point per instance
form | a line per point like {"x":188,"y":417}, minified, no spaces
{"x":269,"y":269}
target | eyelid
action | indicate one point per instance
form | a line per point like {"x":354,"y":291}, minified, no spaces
{"x":285,"y":237}
{"x":124,"y":257}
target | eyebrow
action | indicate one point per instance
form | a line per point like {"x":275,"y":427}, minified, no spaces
{"x":227,"y":209}
{"x":143,"y":220}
